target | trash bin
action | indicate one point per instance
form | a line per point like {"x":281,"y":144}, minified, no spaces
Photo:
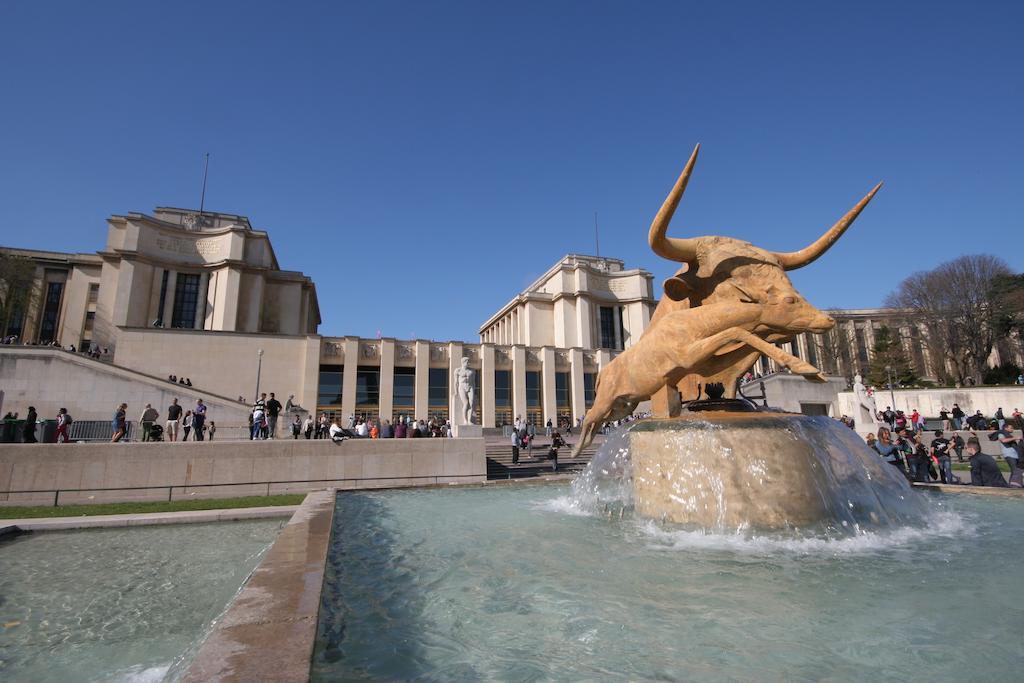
{"x":8,"y":431}
{"x":49,"y":430}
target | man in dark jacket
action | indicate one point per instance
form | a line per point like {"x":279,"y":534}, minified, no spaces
{"x":984,"y":470}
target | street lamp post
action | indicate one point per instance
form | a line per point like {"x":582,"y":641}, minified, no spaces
{"x":259,"y":369}
{"x":892,"y":394}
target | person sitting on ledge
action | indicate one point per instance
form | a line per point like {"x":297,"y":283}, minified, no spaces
{"x":338,"y":433}
{"x":984,"y":470}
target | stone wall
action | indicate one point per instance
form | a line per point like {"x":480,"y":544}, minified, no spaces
{"x":929,"y":401}
{"x":93,"y":473}
{"x":50,"y":379}
{"x":798,"y":395}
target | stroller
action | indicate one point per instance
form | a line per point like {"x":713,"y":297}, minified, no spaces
{"x":156,"y":432}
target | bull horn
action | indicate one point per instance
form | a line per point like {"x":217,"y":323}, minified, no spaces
{"x":673,"y":248}
{"x":798,"y":259}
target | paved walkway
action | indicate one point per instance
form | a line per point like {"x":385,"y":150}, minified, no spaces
{"x":144,"y":518}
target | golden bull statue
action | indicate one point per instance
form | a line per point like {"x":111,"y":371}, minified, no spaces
{"x":728,"y":304}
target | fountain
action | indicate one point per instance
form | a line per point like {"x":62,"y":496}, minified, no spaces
{"x":721,"y":462}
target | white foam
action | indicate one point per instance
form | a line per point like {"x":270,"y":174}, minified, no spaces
{"x":943,"y":524}
{"x":562,"y":504}
{"x":141,"y":674}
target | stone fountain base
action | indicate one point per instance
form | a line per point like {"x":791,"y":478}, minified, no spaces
{"x":727,"y":470}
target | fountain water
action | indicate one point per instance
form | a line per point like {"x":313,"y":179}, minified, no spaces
{"x":727,"y":471}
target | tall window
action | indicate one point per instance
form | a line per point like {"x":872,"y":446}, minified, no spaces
{"x":502,"y":397}
{"x":862,"y":348}
{"x":159,"y":322}
{"x":534,"y":398}
{"x":51,"y":312}
{"x":94,"y":292}
{"x":328,"y":396}
{"x":563,"y":396}
{"x":812,"y":352}
{"x":405,"y":393}
{"x":186,"y":297}
{"x":607,"y":323}
{"x":367,"y":391}
{"x":437,"y":393}
{"x":589,"y":388}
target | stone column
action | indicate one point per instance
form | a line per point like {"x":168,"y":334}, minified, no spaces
{"x":579,"y":401}
{"x":486,"y":399}
{"x":348,"y":379}
{"x":454,"y":363}
{"x":584,"y":323}
{"x":422,"y":389}
{"x":387,"y":379}
{"x":518,"y":382}
{"x":548,"y":402}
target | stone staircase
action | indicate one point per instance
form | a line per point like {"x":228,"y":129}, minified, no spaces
{"x":534,"y":463}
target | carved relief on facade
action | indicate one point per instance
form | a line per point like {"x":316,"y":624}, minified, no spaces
{"x":369,"y":350}
{"x":332,"y":350}
{"x":438,"y":353}
{"x":404,"y":352}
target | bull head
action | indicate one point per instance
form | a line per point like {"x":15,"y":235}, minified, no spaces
{"x":712,"y":262}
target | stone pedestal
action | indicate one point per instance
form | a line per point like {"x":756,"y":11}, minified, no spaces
{"x":467,"y":431}
{"x":721,"y":470}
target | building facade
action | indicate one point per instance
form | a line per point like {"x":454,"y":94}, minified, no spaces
{"x":202,"y":296}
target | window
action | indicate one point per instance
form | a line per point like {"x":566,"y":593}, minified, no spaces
{"x":862,"y":347}
{"x":186,"y":297}
{"x":607,"y":323}
{"x":534,"y":398}
{"x":367,"y":391}
{"x":51,"y":312}
{"x":329,"y":388}
{"x":159,"y":322}
{"x":563,"y":396}
{"x":812,"y":351}
{"x":589,"y":389}
{"x":502,"y":397}
{"x":437,"y":393}
{"x":405,"y":393}
{"x":94,"y":292}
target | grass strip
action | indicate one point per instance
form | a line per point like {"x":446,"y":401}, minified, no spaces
{"x":156,"y":506}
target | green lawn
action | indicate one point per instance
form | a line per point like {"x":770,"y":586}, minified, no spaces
{"x":967,"y":466}
{"x":133,"y":508}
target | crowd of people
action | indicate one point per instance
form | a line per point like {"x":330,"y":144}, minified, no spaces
{"x":904,"y":443}
{"x":93,"y":351}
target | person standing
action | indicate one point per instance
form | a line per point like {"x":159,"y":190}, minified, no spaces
{"x":199,"y":419}
{"x":258,"y":415}
{"x":148,"y":418}
{"x":63,"y":422}
{"x":940,"y":449}
{"x":547,"y":428}
{"x":173,"y":416}
{"x":212,"y":430}
{"x":958,"y":417}
{"x":186,"y":424}
{"x":119,"y":424}
{"x":28,"y":430}
{"x":1011,"y":453}
{"x":956,"y":444}
{"x":296,"y":427}
{"x":1000,"y":419}
{"x":947,"y":424}
{"x":307,"y":427}
{"x":273,"y":410}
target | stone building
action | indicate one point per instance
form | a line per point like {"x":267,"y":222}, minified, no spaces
{"x":202,"y":296}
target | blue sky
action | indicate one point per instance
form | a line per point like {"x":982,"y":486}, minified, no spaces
{"x":424,"y":161}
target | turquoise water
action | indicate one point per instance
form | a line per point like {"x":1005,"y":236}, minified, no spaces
{"x":516,"y":584}
{"x":119,"y":604}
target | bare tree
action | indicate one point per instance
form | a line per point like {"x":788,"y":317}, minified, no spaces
{"x":17,"y":274}
{"x":956,"y":303}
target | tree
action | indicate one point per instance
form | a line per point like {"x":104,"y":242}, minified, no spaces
{"x":956,"y":303}
{"x":888,"y":352}
{"x":17,"y":275}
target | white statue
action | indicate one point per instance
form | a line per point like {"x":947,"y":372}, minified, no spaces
{"x":464,"y":387}
{"x":866,"y":418}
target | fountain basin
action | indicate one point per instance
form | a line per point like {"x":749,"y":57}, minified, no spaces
{"x":727,"y":470}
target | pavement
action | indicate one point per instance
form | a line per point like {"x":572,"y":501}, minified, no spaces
{"x":143,"y":519}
